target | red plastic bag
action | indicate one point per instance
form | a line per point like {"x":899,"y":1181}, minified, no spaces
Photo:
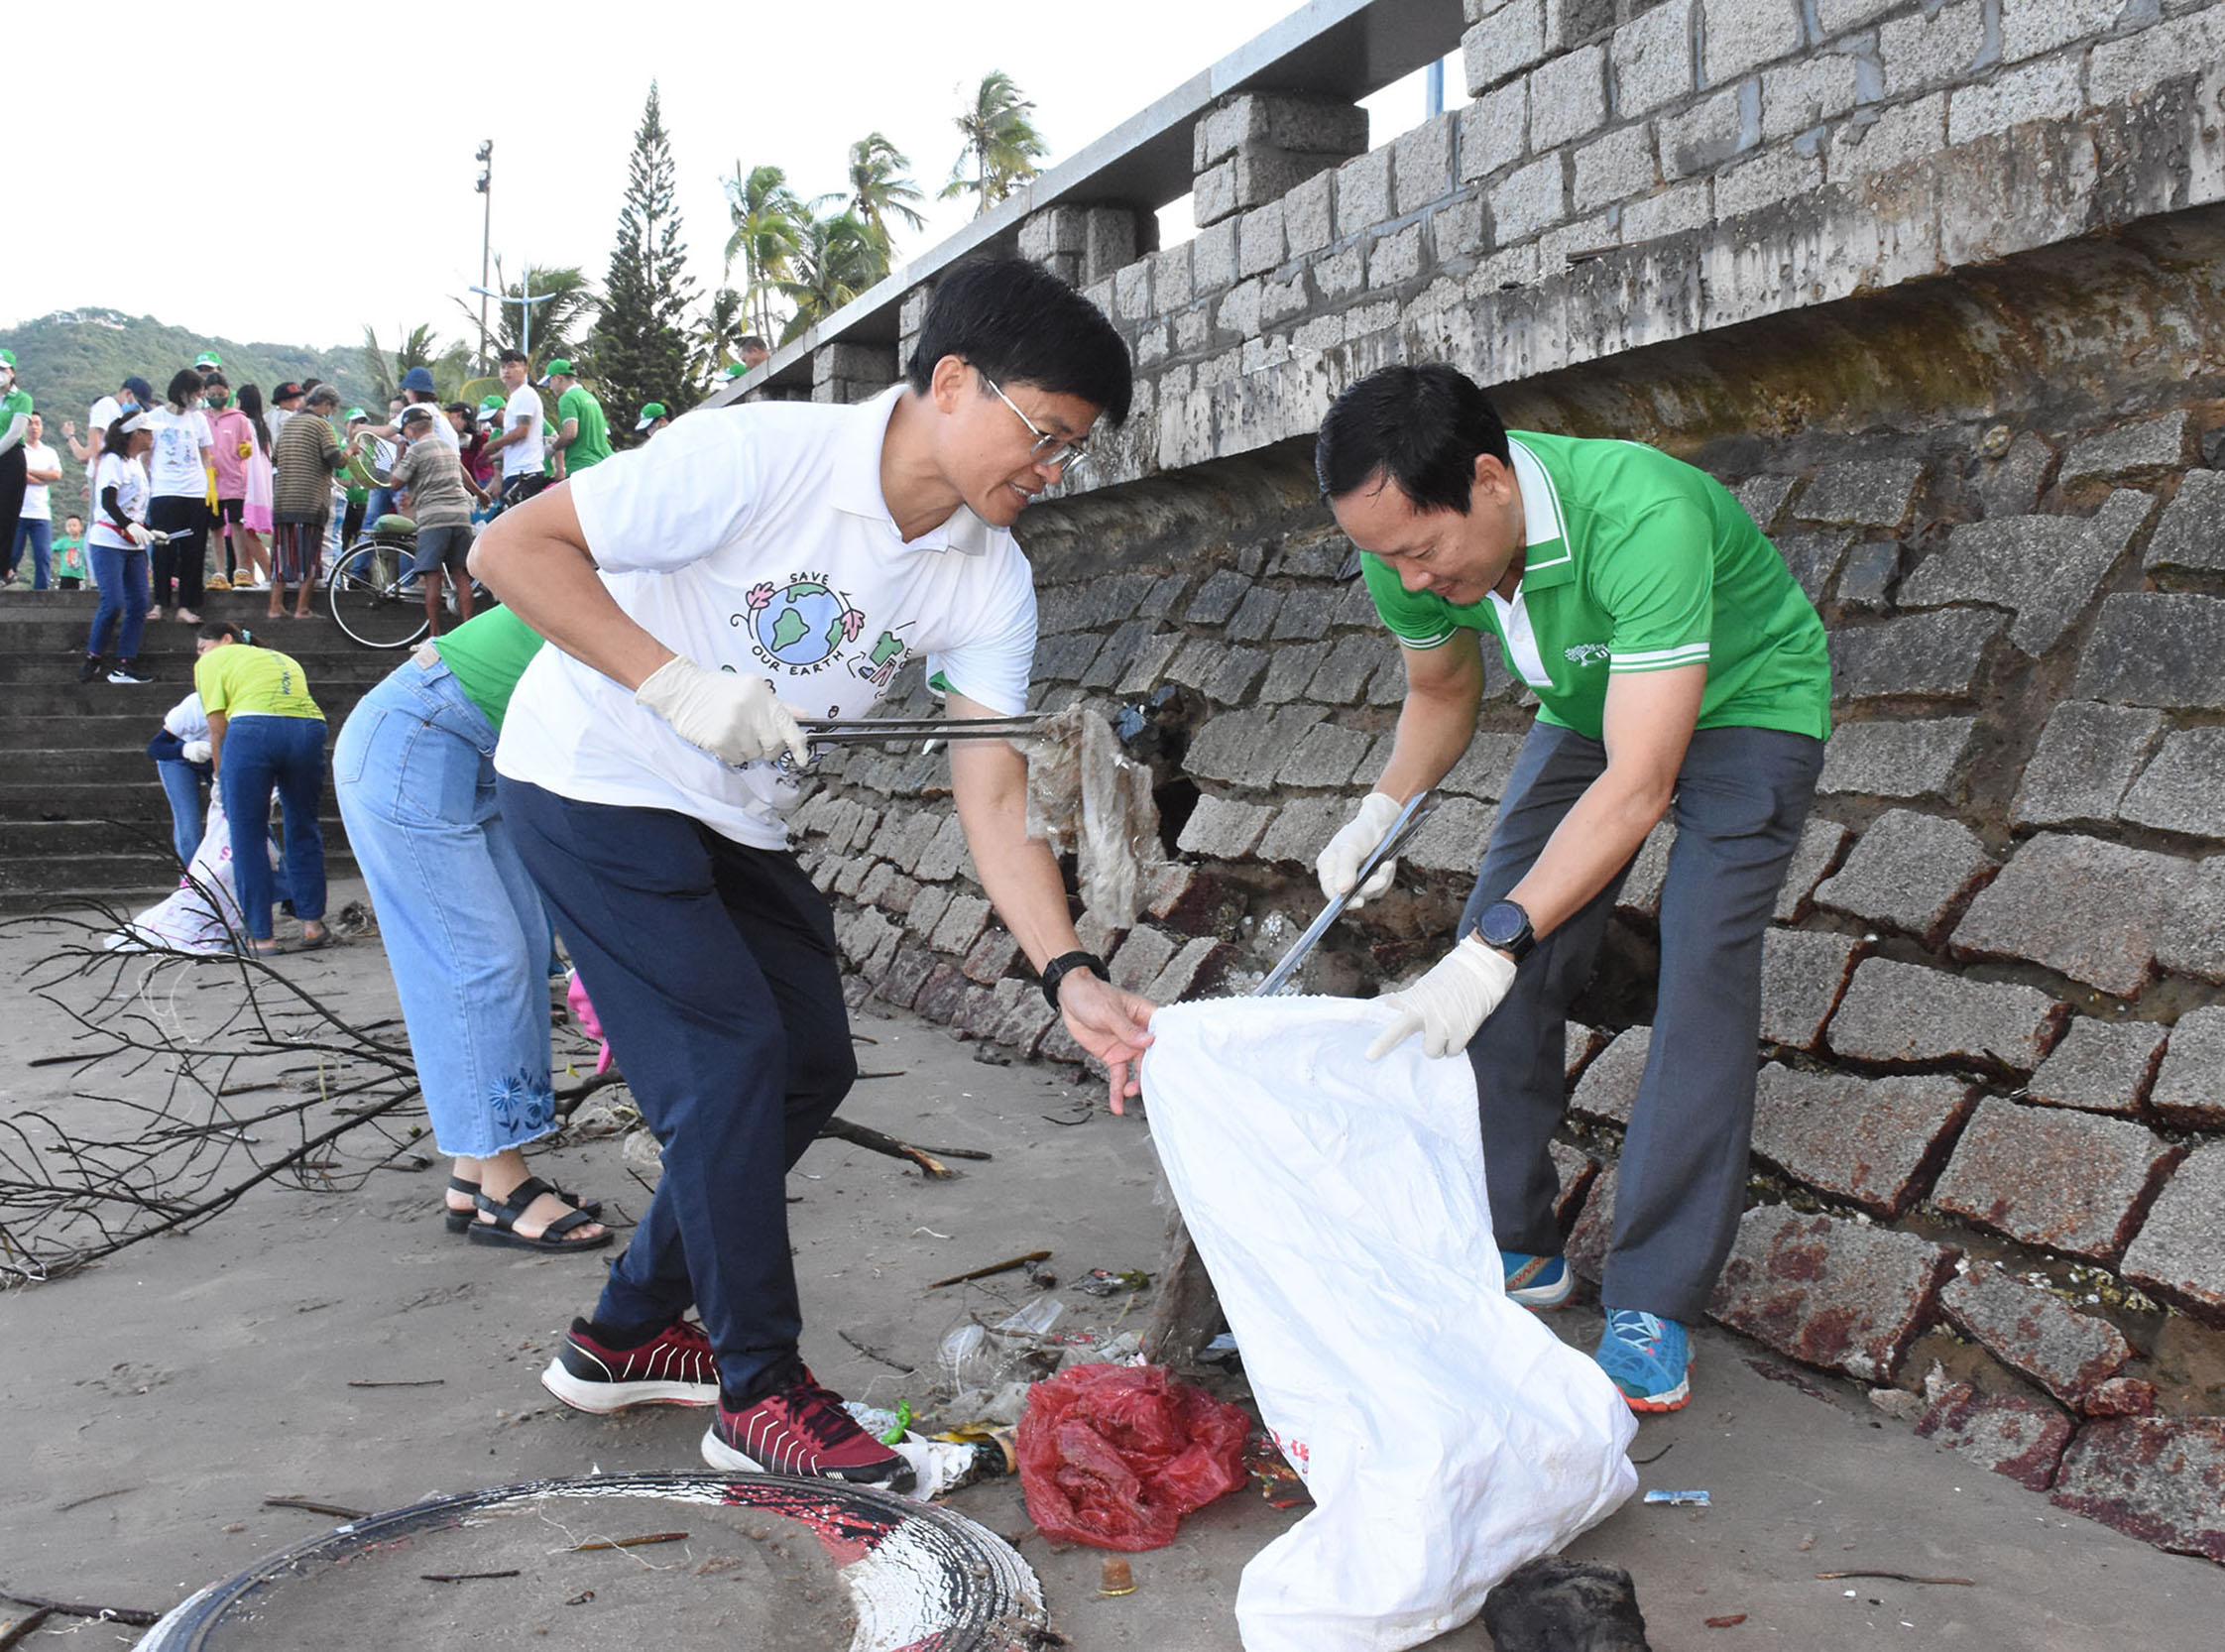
{"x":1114,"y":1456}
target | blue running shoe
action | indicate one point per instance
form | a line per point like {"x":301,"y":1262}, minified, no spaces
{"x":1649,"y":1359}
{"x":1537,"y":1281}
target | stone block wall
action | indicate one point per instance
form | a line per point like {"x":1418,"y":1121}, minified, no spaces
{"x":1940,"y":289}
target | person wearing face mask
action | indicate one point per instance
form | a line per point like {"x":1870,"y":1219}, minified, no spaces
{"x":753,"y":563}
{"x":232,"y":443}
{"x":15,"y":430}
{"x":178,"y":476}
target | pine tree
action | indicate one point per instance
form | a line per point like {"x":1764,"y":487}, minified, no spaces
{"x":641,"y":349}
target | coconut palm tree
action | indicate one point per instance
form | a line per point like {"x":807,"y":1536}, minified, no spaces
{"x":881,"y":189}
{"x":719,"y":336}
{"x":835,"y":261}
{"x":769,"y":220}
{"x":1002,"y":140}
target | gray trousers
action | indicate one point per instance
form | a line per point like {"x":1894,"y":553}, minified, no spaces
{"x":1742,"y":796}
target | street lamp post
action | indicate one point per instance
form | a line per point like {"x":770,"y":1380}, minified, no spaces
{"x":524,"y":302}
{"x":485,"y":158}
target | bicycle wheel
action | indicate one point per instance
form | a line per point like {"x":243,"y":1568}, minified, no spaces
{"x":375,"y":598}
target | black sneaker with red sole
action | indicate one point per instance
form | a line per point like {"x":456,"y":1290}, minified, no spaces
{"x":802,"y":1430}
{"x":673,"y":1368}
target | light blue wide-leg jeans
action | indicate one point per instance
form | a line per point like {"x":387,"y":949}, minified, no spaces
{"x":465,"y":930}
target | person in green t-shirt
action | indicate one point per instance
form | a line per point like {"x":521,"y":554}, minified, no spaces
{"x":70,"y":555}
{"x":582,"y":436}
{"x":464,"y":927}
{"x":1676,"y":664}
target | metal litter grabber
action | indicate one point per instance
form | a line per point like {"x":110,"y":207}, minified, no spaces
{"x":864,"y":730}
{"x":1409,"y":821}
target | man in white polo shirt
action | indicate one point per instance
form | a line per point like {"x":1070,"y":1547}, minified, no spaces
{"x":753,"y":564}
{"x":523,"y":443}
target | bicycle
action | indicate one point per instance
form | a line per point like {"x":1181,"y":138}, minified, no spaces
{"x":374,"y":589}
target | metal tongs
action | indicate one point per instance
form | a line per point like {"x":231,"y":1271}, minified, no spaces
{"x":861,"y":730}
{"x":1401,"y":830}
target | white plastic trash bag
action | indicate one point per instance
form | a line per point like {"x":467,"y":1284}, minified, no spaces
{"x":203,"y":915}
{"x":1446,"y":1434}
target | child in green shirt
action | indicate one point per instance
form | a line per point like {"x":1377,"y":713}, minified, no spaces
{"x":70,"y":571}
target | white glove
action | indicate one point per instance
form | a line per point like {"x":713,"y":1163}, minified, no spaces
{"x":137,"y":532}
{"x":1349,"y":850}
{"x":732,"y":717}
{"x":195,"y":750}
{"x":1450,"y":1002}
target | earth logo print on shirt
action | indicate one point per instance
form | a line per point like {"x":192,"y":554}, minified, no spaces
{"x":806,"y":626}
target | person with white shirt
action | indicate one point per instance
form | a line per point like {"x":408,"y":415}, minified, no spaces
{"x":116,"y":548}
{"x":134,"y":394}
{"x":180,"y":476}
{"x":36,"y":528}
{"x":753,"y":564}
{"x":523,"y":443}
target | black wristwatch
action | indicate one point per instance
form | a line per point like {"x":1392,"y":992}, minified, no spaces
{"x":1506,"y":926}
{"x":1065,"y":963}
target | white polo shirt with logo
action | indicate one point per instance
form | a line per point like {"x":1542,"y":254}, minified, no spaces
{"x":755,"y":539}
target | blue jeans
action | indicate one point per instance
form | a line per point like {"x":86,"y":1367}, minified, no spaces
{"x":189,"y":805}
{"x":122,"y":577}
{"x":466,"y":935}
{"x":38,"y":534}
{"x":379,"y":504}
{"x":714,"y":971}
{"x":286,"y":755}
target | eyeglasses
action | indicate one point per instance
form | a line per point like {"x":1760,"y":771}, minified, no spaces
{"x":1058,"y":451}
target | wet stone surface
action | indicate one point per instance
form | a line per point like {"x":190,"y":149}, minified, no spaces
{"x":2020,"y":1438}
{"x":2180,"y":1253}
{"x":2069,"y":1354}
{"x":1841,"y":1295}
{"x":1905,"y":1012}
{"x":2158,"y":1479}
{"x":2100,"y":1066}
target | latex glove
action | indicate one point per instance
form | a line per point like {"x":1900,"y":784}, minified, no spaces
{"x":137,"y":532}
{"x":731,"y":716}
{"x":1450,"y":1002}
{"x":194,"y":751}
{"x":1340,"y":864}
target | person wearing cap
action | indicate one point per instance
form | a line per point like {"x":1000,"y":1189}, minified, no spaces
{"x":286,"y":402}
{"x":363,"y":478}
{"x":305,"y":456}
{"x":582,"y":437}
{"x":417,"y":392}
{"x":15,"y":427}
{"x":646,"y":765}
{"x":116,"y":548}
{"x":431,"y":477}
{"x":481,"y":463}
{"x":208,"y":361}
{"x":133,"y":393}
{"x":653,"y":419}
{"x":522,"y":437}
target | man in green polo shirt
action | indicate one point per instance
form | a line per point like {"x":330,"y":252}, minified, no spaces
{"x":582,"y":436}
{"x":1676,"y":664}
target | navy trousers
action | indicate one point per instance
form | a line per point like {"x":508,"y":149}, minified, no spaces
{"x":714,"y":971}
{"x":1742,"y":796}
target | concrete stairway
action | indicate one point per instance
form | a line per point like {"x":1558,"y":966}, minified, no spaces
{"x":82,"y":816}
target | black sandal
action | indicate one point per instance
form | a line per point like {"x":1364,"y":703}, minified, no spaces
{"x":462,"y":1221}
{"x":503,"y":1229}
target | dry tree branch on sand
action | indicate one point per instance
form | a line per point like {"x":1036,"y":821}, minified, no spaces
{"x":255,"y":1079}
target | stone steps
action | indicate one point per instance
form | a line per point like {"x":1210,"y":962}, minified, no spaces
{"x":81,"y":811}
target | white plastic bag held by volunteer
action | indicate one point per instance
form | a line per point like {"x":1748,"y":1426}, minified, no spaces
{"x":1447,"y":1436}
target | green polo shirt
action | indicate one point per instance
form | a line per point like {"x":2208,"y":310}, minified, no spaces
{"x":1636,"y":563}
{"x":591,"y":441}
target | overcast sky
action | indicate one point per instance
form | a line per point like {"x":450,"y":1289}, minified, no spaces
{"x":244,"y":204}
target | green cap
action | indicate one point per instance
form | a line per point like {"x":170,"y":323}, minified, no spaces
{"x":493,"y":404}
{"x":651,"y":411}
{"x":735,"y":370}
{"x":7,"y":358}
{"x":208,"y":358}
{"x":559,"y":365}
{"x":355,"y":414}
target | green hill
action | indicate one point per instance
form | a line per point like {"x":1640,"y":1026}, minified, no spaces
{"x":70,"y":359}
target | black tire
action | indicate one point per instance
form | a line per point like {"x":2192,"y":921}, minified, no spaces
{"x":957,"y":1587}
{"x":374,"y":596}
